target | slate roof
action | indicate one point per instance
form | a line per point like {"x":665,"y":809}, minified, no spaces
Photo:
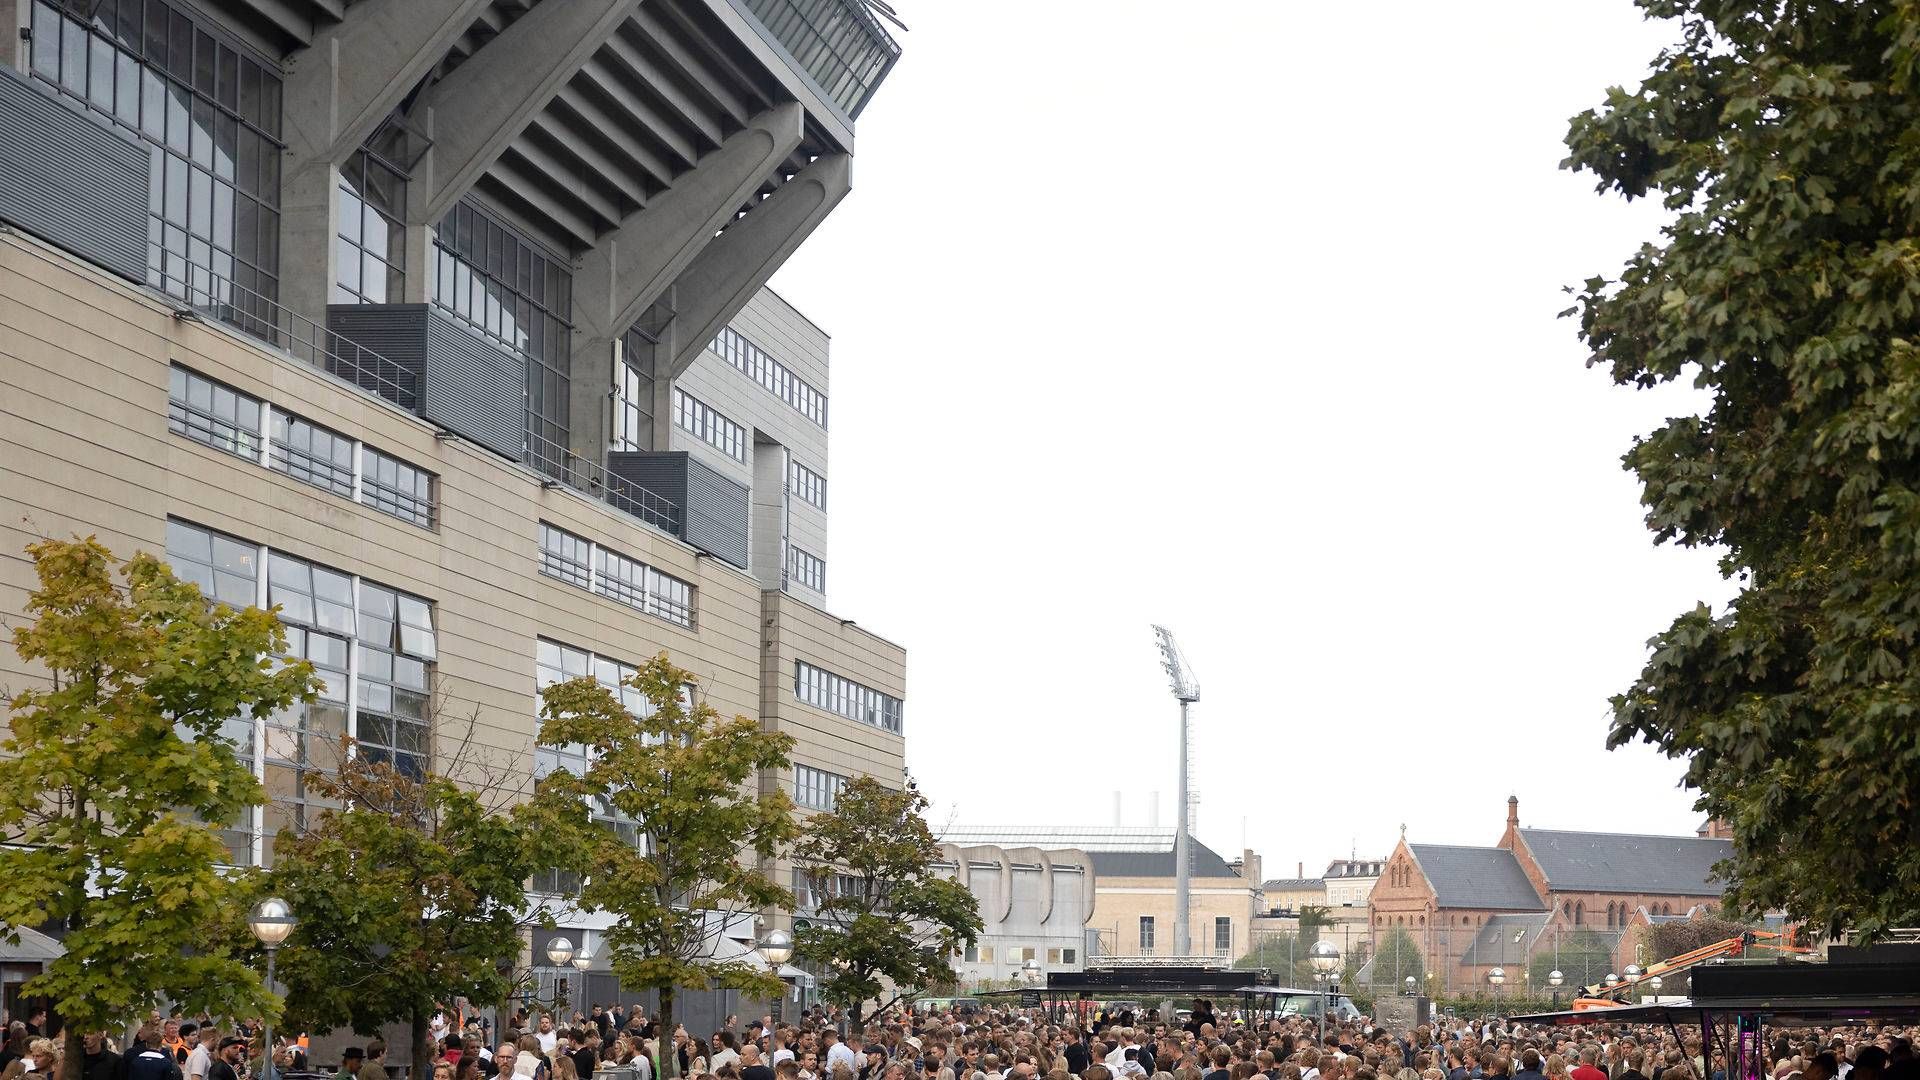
{"x":1476,"y":877}
{"x":1293,"y":884}
{"x":1506,"y":939}
{"x":1206,"y":863}
{"x":1623,"y":862}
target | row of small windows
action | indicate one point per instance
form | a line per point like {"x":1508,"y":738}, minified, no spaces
{"x":1222,"y":935}
{"x":226,"y":419}
{"x":806,"y":568}
{"x":816,"y":789}
{"x":372,"y":647}
{"x":838,"y":694}
{"x":1018,"y":954}
{"x":809,"y":485}
{"x":701,"y":420}
{"x":753,"y":362}
{"x":583,"y":564}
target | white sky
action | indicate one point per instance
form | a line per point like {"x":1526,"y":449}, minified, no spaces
{"x":1240,"y":317}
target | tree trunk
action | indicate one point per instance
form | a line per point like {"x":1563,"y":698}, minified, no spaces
{"x":73,"y":1061}
{"x":669,"y":1050}
{"x":424,"y":1049}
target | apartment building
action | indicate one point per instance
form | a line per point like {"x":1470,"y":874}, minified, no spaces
{"x":442,"y":324}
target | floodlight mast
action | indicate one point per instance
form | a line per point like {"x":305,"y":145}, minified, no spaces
{"x":1186,"y":690}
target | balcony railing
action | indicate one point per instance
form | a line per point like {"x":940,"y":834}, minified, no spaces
{"x":840,"y":44}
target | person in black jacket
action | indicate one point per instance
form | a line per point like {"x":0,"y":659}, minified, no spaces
{"x":100,"y":1062}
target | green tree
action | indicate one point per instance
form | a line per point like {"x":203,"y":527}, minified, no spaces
{"x":1396,"y":957}
{"x":411,"y":893}
{"x":114,"y":779}
{"x":1664,"y":941}
{"x":1583,"y":957}
{"x":1786,"y":140}
{"x":680,"y":775}
{"x":895,"y":922}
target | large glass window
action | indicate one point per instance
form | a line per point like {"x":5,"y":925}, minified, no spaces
{"x":553,"y":663}
{"x":633,"y":395}
{"x":213,"y":413}
{"x":754,"y":362}
{"x":357,"y":635}
{"x":838,"y":694}
{"x":806,"y":569}
{"x":392,"y":486}
{"x":580,"y":562}
{"x":370,"y":252}
{"x":311,"y":454}
{"x":700,"y":419}
{"x":1146,"y":935}
{"x":1222,"y":935}
{"x":227,"y":570}
{"x":566,"y":556}
{"x":209,"y":114}
{"x":810,"y":486}
{"x":816,"y":789}
{"x":503,"y":283}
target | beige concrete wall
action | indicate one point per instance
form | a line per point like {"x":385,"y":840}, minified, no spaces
{"x":1119,"y":904}
{"x":84,"y":449}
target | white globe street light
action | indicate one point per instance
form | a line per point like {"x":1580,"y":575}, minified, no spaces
{"x":1655,"y":983}
{"x":272,"y":922}
{"x":1634,"y":971}
{"x":1411,"y":984}
{"x":1612,"y":979}
{"x":559,"y":951}
{"x":1324,"y":959}
{"x":1556,"y":977}
{"x":777,"y":947}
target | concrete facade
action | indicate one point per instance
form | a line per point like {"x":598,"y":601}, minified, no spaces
{"x":1035,"y":905}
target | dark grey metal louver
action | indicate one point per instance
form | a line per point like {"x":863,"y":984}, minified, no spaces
{"x":712,"y":510}
{"x":71,"y":179}
{"x":467,"y":384}
{"x":716,"y":514}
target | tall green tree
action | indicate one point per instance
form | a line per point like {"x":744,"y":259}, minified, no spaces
{"x":1396,"y":957}
{"x":410,"y":893}
{"x":115,"y":778}
{"x":1785,"y":138}
{"x":882,"y":920}
{"x":679,"y":779}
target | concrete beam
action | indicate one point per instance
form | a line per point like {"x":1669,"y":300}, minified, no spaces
{"x":738,"y":262}
{"x":486,"y":102}
{"x":390,"y":45}
{"x":630,"y":268}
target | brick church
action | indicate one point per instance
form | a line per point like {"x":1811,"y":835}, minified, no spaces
{"x":1470,"y":909}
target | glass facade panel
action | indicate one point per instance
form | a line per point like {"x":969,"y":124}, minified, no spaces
{"x":502,"y":283}
{"x":370,"y":255}
{"x":394,"y":487}
{"x":840,"y":695}
{"x":816,"y":789}
{"x":806,"y":569}
{"x":311,"y":454}
{"x":810,"y":486}
{"x":633,"y":395}
{"x":210,"y":116}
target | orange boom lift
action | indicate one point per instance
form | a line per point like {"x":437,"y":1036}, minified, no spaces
{"x":1602,"y":996}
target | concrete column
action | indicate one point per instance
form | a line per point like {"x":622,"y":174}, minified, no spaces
{"x":486,"y":102}
{"x":628,"y":270}
{"x":15,"y":16}
{"x":309,"y":211}
{"x":738,"y":262}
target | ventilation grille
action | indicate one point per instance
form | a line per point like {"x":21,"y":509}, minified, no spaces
{"x":72,"y":180}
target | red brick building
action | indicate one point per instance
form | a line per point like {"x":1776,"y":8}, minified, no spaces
{"x":1470,"y":909}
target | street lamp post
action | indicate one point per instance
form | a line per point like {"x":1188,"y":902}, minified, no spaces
{"x":559,"y":954}
{"x":272,"y":922}
{"x":777,"y":947}
{"x":1554,"y":979}
{"x":1654,"y":983}
{"x":1496,"y":977}
{"x":583,"y":960}
{"x":1411,"y":984}
{"x":1324,"y":958}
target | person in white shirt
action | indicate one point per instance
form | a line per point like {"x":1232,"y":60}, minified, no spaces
{"x":839,"y":1053}
{"x":547,"y":1036}
{"x":200,"y":1060}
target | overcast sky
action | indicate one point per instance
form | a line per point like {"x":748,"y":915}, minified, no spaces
{"x":1240,"y":317}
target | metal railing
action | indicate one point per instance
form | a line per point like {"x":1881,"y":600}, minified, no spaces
{"x":591,"y":478}
{"x":225,"y":301}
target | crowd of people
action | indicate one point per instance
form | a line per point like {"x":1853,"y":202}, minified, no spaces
{"x":976,"y":1044}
